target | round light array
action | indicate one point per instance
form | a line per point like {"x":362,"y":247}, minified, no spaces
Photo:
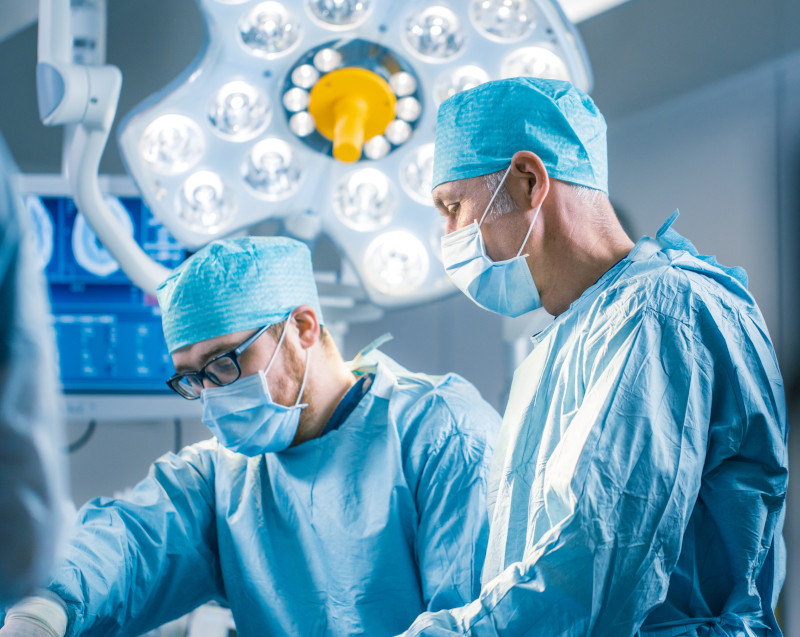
{"x":311,"y":68}
{"x":237,"y":142}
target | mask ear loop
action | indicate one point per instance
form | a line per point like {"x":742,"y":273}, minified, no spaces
{"x":277,"y":349}
{"x":494,"y":196}
{"x":305,"y":377}
{"x":530,"y":229}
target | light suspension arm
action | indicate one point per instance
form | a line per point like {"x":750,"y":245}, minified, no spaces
{"x":71,"y":93}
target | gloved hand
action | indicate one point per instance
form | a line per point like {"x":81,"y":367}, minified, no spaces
{"x":24,"y":626}
{"x":44,"y":615}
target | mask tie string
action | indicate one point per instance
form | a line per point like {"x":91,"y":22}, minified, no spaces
{"x":494,"y":196}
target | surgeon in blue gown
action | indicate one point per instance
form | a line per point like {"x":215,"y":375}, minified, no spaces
{"x":639,"y":479}
{"x":335,"y":498}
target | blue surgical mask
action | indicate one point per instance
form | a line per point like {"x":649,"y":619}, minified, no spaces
{"x":245,"y":419}
{"x":505,"y":287}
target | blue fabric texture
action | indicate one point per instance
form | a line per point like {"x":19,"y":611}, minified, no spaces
{"x":233,"y":285}
{"x":352,"y":533}
{"x":32,"y":472}
{"x":639,"y":479}
{"x":479,"y":130}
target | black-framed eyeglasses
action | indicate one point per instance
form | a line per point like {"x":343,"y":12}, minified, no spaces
{"x":222,"y":370}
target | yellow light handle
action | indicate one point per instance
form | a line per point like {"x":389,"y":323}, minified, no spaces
{"x":350,"y":114}
{"x":349,"y":106}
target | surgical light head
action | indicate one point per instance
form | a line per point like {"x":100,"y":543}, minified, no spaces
{"x":479,"y":130}
{"x":233,"y":285}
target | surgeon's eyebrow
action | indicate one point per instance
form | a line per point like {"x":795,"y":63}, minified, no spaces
{"x":206,"y":357}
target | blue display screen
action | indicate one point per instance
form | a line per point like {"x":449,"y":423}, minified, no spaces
{"x":108,"y":330}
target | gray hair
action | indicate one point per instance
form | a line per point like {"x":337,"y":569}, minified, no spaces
{"x":503,"y":203}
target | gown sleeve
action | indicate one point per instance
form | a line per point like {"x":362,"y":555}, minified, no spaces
{"x":618,"y":493}
{"x":133,"y":564}
{"x":451,"y":492}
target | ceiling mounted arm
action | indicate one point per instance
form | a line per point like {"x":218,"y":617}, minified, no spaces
{"x":87,"y":96}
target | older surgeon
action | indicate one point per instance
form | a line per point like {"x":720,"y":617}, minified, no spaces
{"x":335,"y":499}
{"x":639,"y":481}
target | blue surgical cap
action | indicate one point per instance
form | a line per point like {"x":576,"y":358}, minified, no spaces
{"x":234,"y":285}
{"x":479,"y":130}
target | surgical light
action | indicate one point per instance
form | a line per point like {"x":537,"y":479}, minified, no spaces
{"x":457,"y":80}
{"x":339,"y":13}
{"x":172,"y":144}
{"x":503,"y":20}
{"x":396,"y":262}
{"x":434,"y":34}
{"x":365,"y":200}
{"x":270,"y":170}
{"x":377,"y":147}
{"x":408,"y":108}
{"x":403,"y":83}
{"x":536,"y":61}
{"x":239,"y":110}
{"x":305,"y":76}
{"x":319,"y":115}
{"x":416,"y":174}
{"x":205,"y":202}
{"x":269,"y":30}
{"x":295,"y":99}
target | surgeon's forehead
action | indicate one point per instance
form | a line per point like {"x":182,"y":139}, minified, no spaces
{"x":195,"y":355}
{"x":456,"y":189}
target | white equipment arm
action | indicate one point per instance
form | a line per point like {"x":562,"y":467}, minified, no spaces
{"x":70,"y":93}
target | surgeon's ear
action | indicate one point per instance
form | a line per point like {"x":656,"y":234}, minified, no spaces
{"x":304,"y":318}
{"x":531,"y":176}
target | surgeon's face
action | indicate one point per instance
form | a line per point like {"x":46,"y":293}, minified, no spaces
{"x":285,"y":375}
{"x":463,"y":201}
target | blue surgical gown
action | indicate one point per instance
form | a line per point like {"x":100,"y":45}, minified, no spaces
{"x":352,"y":533}
{"x":32,"y":467}
{"x":639,"y":478}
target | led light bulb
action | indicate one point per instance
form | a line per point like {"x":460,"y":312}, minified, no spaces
{"x":270,"y":170}
{"x":461,"y":79}
{"x":416,"y":174}
{"x":503,"y":20}
{"x":402,"y":83}
{"x":239,"y":110}
{"x":302,"y":124}
{"x":434,"y":34}
{"x":340,"y":13}
{"x":269,"y":30}
{"x":365,"y":200}
{"x":396,"y":263}
{"x":205,"y":203}
{"x":398,"y":131}
{"x":376,"y":147}
{"x":295,"y":99}
{"x":172,"y":144}
{"x":327,"y":60}
{"x":534,"y":61}
{"x":305,"y":76}
{"x":408,"y":108}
